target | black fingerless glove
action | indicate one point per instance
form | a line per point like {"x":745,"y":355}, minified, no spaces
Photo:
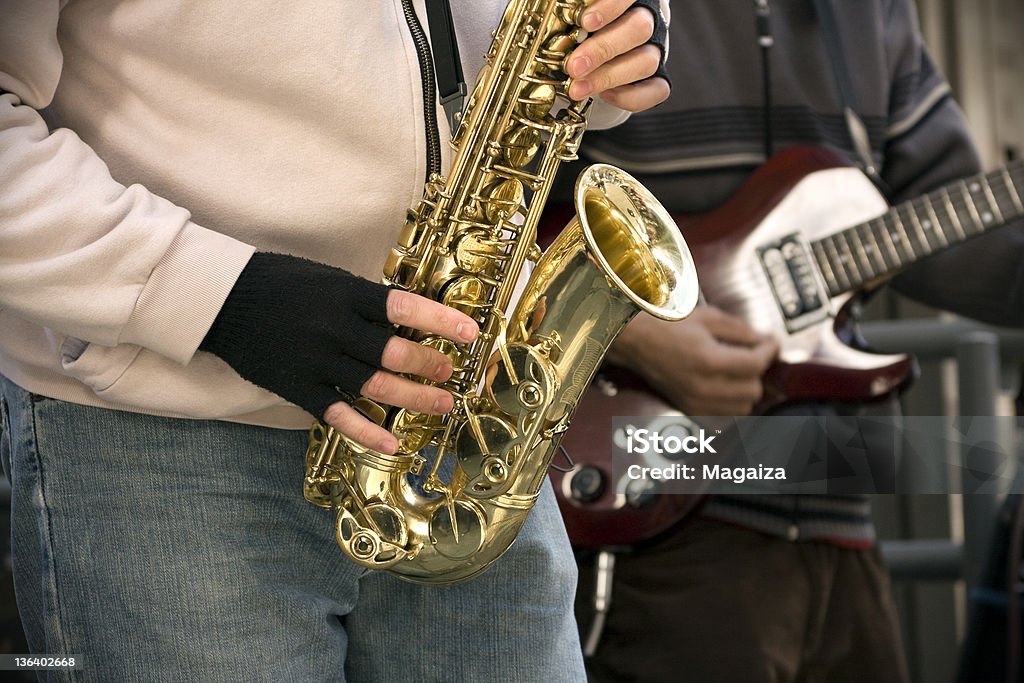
{"x":660,"y":36}
{"x":308,"y":332}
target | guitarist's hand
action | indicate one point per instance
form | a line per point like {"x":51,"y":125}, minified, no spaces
{"x":711,"y":363}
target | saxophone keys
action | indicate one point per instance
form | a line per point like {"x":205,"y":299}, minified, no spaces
{"x":457,"y":530}
{"x":536,"y":101}
{"x":448,"y":348}
{"x":392,"y":264}
{"x":559,"y":45}
{"x":414,"y":430}
{"x":465,"y":294}
{"x":503,"y":198}
{"x":375,"y":536}
{"x":410,"y":232}
{"x":486,"y":446}
{"x":567,"y":13}
{"x":521,"y":145}
{"x":370,"y":409}
{"x":525,"y":386}
{"x":473,"y":250}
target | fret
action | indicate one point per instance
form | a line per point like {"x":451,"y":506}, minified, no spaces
{"x":875,"y":258}
{"x":873,"y":248}
{"x":918,"y":229}
{"x":933,"y":220}
{"x":838,"y":268}
{"x":862,"y":248}
{"x":925,"y":248}
{"x":1014,"y":194}
{"x":825,"y":266}
{"x":972,"y":208}
{"x":900,"y":239}
{"x":897,"y":262}
{"x":992,"y":203}
{"x":838,"y":265}
{"x":878,"y":247}
{"x":1003,"y":194}
{"x":851,"y":259}
{"x":947,"y":202}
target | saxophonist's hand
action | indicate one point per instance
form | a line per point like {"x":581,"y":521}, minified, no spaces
{"x":319,"y":336}
{"x":621,"y":58}
{"x":401,"y":355}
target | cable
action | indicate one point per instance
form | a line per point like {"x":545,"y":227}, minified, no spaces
{"x":602,"y":599}
{"x":765,"y":40}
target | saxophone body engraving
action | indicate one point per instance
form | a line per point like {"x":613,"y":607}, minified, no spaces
{"x":453,"y":498}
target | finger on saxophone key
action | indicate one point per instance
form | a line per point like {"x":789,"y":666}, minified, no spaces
{"x":420,"y":313}
{"x":348,"y":421}
{"x":403,"y":355}
{"x":608,"y":42}
{"x":392,"y":390}
{"x":401,"y":392}
{"x":620,"y":58}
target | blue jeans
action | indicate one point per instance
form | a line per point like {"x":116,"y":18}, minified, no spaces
{"x":177,"y":550}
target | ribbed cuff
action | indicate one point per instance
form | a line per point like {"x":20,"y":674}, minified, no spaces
{"x":185,"y":292}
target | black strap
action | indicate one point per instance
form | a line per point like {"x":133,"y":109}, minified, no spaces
{"x":766,"y":41}
{"x":857,"y":130}
{"x":451,"y":84}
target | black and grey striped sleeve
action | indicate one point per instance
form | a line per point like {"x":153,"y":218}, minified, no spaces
{"x":927,"y":142}
{"x":929,"y":145}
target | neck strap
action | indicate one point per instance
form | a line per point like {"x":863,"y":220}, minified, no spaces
{"x":451,"y":84}
{"x":854,"y":125}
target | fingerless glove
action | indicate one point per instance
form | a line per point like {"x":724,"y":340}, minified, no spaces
{"x":660,"y":36}
{"x":308,"y":332}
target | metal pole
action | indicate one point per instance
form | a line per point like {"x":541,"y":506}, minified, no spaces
{"x":984,"y":461}
{"x":926,"y":559}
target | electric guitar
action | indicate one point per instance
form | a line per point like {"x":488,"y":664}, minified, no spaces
{"x":787,"y":254}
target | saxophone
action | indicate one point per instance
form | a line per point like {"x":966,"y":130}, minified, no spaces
{"x":454,"y":496}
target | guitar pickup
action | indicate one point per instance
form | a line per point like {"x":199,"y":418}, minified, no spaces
{"x":795,"y":284}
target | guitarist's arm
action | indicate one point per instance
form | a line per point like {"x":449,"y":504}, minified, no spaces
{"x":708,"y":364}
{"x":982,"y":278}
{"x":928,"y":147}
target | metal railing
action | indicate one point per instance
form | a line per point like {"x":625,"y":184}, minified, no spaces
{"x":980,"y":351}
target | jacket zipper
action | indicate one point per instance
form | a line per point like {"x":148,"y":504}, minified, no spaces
{"x":429,"y":89}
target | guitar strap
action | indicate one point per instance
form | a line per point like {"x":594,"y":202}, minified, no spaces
{"x":451,"y":84}
{"x":765,"y":41}
{"x":854,"y":125}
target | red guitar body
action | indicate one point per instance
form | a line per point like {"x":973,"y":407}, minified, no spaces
{"x":804,"y":193}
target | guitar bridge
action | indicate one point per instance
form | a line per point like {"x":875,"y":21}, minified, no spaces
{"x":795,"y":282}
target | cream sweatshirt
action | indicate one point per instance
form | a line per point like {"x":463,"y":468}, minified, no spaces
{"x":148,"y":148}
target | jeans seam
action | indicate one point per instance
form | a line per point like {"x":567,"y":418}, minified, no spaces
{"x":6,"y":442}
{"x":51,"y":591}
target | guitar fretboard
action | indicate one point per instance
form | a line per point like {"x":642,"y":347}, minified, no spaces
{"x":910,"y":231}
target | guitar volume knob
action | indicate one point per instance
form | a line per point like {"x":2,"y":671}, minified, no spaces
{"x":641,"y":493}
{"x":587,"y":484}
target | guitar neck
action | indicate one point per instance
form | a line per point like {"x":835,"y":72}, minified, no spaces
{"x":908,"y":232}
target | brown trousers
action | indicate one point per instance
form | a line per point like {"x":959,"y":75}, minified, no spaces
{"x":715,"y":603}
